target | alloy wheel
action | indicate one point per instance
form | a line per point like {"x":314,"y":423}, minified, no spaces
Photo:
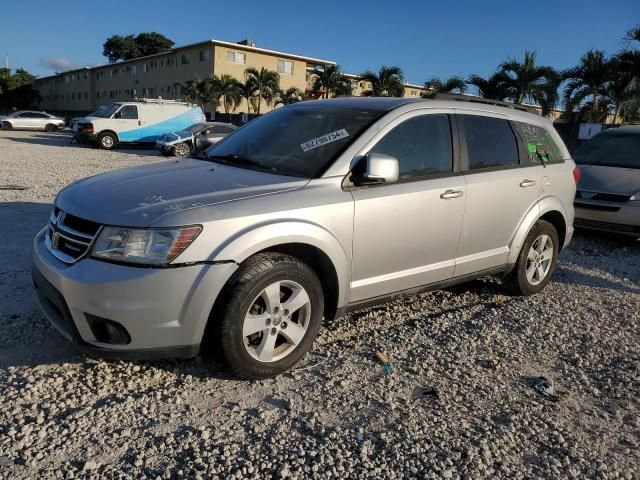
{"x":276,"y":321}
{"x":539,"y":259}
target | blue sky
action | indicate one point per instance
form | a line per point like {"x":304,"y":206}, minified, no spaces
{"x":424,"y":38}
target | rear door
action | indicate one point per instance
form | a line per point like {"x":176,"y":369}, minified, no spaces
{"x":501,"y":188}
{"x":405,"y":234}
{"x":24,"y":120}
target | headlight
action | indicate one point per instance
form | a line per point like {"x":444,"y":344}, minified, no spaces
{"x":635,"y":196}
{"x":144,"y":246}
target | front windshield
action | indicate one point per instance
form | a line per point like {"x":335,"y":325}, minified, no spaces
{"x":108,"y":111}
{"x":615,"y":149}
{"x":299,"y":140}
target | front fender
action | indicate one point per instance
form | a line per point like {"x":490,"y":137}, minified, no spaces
{"x":261,"y":237}
{"x":544,"y":205}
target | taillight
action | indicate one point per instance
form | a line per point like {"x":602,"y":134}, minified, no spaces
{"x":576,"y":175}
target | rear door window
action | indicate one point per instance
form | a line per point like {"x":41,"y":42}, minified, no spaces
{"x":422,"y":146}
{"x":539,"y":143}
{"x":490,"y":141}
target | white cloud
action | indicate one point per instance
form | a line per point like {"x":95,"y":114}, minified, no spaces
{"x":57,"y":64}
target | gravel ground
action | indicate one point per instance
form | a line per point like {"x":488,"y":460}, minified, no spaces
{"x":459,"y":402}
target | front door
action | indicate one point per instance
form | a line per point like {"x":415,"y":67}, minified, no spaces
{"x":406,"y":234}
{"x":127,"y":124}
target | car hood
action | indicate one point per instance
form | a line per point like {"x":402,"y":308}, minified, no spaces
{"x":596,"y":178}
{"x":139,"y":196}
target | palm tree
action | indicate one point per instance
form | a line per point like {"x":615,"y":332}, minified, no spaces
{"x":196,"y":91}
{"x":230,"y":90}
{"x":493,"y":87}
{"x":633,"y":34}
{"x":528,"y":81}
{"x":288,"y":96}
{"x":434,"y":86}
{"x":247,"y":91}
{"x":330,"y":80}
{"x":588,"y":78}
{"x":265,"y":84}
{"x":388,"y":82}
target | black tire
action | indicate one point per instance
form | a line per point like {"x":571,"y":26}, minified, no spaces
{"x":7,"y":126}
{"x":107,"y":141}
{"x":225,"y":333}
{"x":50,"y":128}
{"x":517,"y":281}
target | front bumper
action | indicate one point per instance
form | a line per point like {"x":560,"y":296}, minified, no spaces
{"x":164,"y":310}
{"x":617,"y":217}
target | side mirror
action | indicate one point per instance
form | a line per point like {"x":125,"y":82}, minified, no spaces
{"x":376,"y":169}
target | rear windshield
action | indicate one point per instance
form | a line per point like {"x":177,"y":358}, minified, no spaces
{"x":299,"y":140}
{"x":616,"y":149}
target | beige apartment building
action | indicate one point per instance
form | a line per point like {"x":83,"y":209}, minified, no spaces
{"x":162,"y":74}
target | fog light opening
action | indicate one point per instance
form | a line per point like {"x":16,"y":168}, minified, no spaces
{"x":108,"y":331}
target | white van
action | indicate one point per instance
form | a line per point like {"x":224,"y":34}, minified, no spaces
{"x":136,"y":121}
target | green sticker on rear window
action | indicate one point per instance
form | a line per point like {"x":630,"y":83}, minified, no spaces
{"x":532,"y":147}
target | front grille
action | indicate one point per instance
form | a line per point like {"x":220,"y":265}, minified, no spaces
{"x":69,"y":237}
{"x":602,"y":197}
{"x":595,"y":206}
{"x":613,"y":227}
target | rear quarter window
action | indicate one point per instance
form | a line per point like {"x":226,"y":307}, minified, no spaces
{"x":539,"y":143}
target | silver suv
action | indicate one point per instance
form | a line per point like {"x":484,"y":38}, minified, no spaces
{"x":310,"y":211}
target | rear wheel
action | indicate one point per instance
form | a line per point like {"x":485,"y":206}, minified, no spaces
{"x":537,"y":260}
{"x":107,"y":141}
{"x":7,"y":126}
{"x":182,"y":150}
{"x":271,"y":315}
{"x":50,"y":128}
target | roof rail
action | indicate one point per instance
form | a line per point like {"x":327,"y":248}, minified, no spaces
{"x":159,"y":100}
{"x":485,"y":101}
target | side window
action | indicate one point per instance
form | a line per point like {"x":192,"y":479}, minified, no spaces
{"x":540,"y":144}
{"x":128,"y":112}
{"x":490,"y":142}
{"x":421,"y":144}
{"x":26,"y":115}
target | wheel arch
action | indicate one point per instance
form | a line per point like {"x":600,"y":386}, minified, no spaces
{"x":548,"y":208}
{"x":112,"y":132}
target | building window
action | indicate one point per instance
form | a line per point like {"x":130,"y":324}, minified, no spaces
{"x":185,"y":58}
{"x":145,"y":67}
{"x":204,"y":55}
{"x":134,"y":69}
{"x":285,"y":67}
{"x":236,"y":57}
{"x":134,"y":93}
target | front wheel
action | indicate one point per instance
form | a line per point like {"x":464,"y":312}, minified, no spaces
{"x":7,"y":126}
{"x":537,"y":260}
{"x":182,"y":150}
{"x":272,"y":313}
{"x":107,"y":141}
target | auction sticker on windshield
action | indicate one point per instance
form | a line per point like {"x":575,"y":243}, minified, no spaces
{"x":324,"y":139}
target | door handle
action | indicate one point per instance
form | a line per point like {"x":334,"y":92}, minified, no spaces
{"x":527,"y":183}
{"x":449,"y":194}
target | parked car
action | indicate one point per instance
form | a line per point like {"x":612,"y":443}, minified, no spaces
{"x":139,"y":121}
{"x":308,"y":212}
{"x":31,"y":120}
{"x":608,"y":196}
{"x":194,"y":139}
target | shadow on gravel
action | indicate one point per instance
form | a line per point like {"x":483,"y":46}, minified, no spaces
{"x":65,"y":139}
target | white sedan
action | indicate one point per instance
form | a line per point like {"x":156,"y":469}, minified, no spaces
{"x":31,"y":120}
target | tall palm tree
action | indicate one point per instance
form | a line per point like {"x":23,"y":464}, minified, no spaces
{"x":230,"y":90}
{"x":265,"y":84}
{"x":288,"y":96}
{"x":452,"y":84}
{"x":330,"y":81}
{"x":588,"y":78}
{"x":494,"y":87}
{"x":527,"y":81}
{"x":196,"y":91}
{"x":388,"y":82}
{"x":633,"y":34}
{"x":247,"y":90}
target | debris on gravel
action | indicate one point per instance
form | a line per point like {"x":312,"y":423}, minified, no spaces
{"x":459,"y":402}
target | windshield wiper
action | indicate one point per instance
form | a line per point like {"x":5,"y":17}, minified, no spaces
{"x":234,"y":159}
